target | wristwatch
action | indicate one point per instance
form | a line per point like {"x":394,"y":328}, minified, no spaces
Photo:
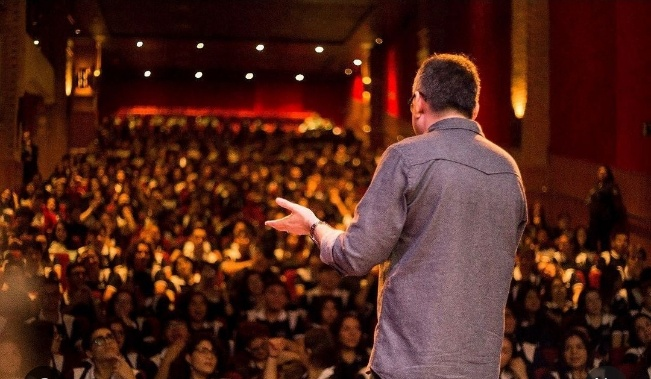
{"x":313,"y":229}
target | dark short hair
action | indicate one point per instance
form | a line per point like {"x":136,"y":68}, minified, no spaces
{"x":449,"y":81}
{"x":320,"y":347}
{"x":86,"y":341}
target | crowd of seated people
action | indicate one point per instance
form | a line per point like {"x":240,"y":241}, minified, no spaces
{"x":571,"y":310}
{"x":145,"y":256}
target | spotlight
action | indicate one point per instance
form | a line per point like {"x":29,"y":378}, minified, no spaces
{"x":260,"y":47}
{"x":198,"y":75}
{"x":300,"y":77}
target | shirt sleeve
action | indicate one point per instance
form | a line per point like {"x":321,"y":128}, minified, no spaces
{"x":379,"y":219}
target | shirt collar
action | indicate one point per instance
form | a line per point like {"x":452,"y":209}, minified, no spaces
{"x":456,"y":123}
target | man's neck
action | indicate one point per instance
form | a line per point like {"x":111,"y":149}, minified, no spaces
{"x":433,"y":117}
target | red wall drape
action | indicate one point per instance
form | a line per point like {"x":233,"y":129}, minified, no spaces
{"x":600,"y":89}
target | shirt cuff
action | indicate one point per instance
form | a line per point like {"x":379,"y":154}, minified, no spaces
{"x":327,"y":242}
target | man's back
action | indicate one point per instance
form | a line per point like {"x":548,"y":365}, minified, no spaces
{"x":447,"y":279}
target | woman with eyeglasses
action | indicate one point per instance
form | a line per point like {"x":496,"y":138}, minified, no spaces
{"x":200,"y":360}
{"x":104,"y":360}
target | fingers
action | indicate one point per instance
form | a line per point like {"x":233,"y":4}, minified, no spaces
{"x":284,"y":203}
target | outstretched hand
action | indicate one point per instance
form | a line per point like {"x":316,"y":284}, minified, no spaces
{"x":299,"y":220}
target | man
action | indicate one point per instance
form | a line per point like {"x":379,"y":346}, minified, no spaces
{"x":443,"y":216}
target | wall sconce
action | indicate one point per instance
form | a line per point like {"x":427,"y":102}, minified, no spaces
{"x":519,"y":45}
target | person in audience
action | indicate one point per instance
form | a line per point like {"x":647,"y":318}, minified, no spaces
{"x":133,"y":357}
{"x":184,"y":275}
{"x":198,"y":248}
{"x":175,"y":335}
{"x":640,"y":340}
{"x":321,"y":354}
{"x":352,"y":350}
{"x":122,"y":307}
{"x":606,"y":210}
{"x":328,"y":284}
{"x":327,"y":309}
{"x":201,"y":359}
{"x":194,"y":305}
{"x":139,"y":276}
{"x":275,"y":313}
{"x":255,"y":353}
{"x":633,"y":276}
{"x":512,"y":366}
{"x":617,"y":252}
{"x":78,"y":297}
{"x":251,"y":294}
{"x":585,"y":258}
{"x":598,"y":324}
{"x":69,"y":329}
{"x":576,"y":359}
{"x":104,"y":358}
{"x":530,"y":330}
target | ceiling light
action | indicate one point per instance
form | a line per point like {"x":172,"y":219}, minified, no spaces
{"x":260,"y":47}
{"x":198,"y":75}
{"x":249,"y":76}
{"x":357,"y":62}
{"x":77,"y":31}
{"x":319,"y":49}
{"x":200,"y":45}
{"x":147,"y":74}
{"x":366,"y":80}
{"x":97,"y":72}
{"x":378,"y":40}
{"x":139,"y":44}
{"x":348,"y":71}
{"x":300,"y":77}
{"x":36,"y":42}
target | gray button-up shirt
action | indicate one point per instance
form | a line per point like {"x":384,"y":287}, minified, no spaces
{"x":443,"y":214}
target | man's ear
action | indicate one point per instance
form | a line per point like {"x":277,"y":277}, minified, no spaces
{"x":475,"y":111}
{"x":420,"y":104}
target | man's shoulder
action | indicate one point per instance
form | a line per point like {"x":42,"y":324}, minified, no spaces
{"x":476,"y":151}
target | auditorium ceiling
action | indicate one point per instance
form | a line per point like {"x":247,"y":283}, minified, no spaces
{"x":230,"y":30}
